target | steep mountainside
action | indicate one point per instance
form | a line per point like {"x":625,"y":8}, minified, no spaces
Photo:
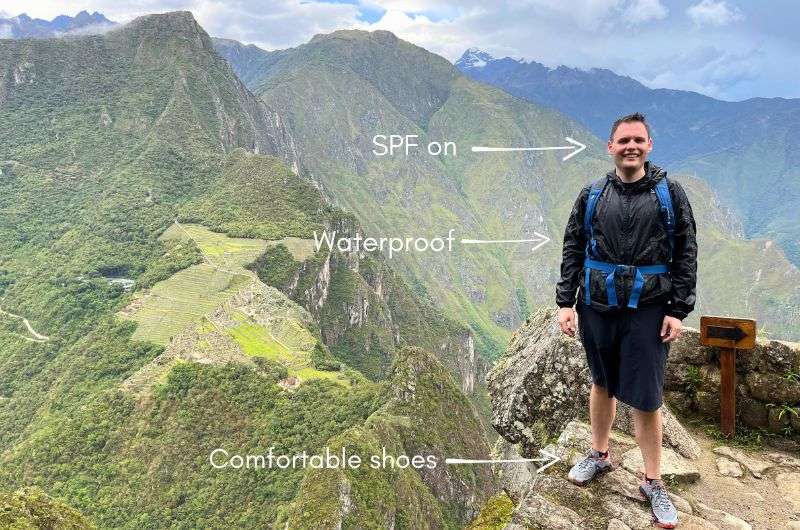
{"x":339,"y":90}
{"x":394,"y":495}
{"x":144,"y":237}
{"x":745,"y":150}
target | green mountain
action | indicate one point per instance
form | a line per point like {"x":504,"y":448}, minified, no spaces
{"x":745,"y":150}
{"x":162,"y":296}
{"x":339,"y":90}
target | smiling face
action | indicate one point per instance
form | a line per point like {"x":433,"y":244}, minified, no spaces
{"x":630,"y":146}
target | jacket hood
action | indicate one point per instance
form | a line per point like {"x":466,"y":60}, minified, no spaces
{"x":652,"y":174}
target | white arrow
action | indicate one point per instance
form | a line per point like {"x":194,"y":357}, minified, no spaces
{"x":540,"y":239}
{"x":576,"y":148}
{"x":548,"y":457}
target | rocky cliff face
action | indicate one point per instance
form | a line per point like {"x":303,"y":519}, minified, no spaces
{"x":366,"y":312}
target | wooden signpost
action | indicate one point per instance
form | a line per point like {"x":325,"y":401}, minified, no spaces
{"x":729,"y":335}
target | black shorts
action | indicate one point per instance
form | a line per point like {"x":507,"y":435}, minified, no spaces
{"x":625,"y":352}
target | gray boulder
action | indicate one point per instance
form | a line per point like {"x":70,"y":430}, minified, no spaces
{"x":542,"y":382}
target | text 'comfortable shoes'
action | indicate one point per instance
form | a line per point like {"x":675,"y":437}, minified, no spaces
{"x":664,"y":512}
{"x":589,"y":467}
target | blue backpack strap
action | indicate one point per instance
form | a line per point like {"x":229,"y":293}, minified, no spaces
{"x":591,"y":204}
{"x":667,"y":211}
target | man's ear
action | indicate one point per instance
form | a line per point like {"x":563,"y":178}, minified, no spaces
{"x":608,"y":147}
{"x":649,"y":144}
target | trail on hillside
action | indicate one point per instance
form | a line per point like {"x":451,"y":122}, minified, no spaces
{"x":37,"y":337}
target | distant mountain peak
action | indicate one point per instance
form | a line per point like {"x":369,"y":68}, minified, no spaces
{"x":23,"y":26}
{"x":380,"y":35}
{"x":474,"y":58}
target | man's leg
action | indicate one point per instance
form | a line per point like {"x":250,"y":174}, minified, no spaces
{"x":602,"y":410}
{"x":648,"y":436}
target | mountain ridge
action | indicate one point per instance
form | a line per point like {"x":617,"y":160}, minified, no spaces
{"x":744,"y":149}
{"x":83,"y":23}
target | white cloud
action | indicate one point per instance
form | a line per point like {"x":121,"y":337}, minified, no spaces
{"x":639,"y":11}
{"x":627,"y":36}
{"x":714,"y":13}
{"x":705,"y":69}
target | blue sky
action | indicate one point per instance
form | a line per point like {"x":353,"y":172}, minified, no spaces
{"x":729,"y":49}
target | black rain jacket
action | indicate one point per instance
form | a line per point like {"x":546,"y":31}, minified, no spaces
{"x":629,"y":230}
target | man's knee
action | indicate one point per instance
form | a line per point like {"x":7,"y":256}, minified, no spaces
{"x":601,"y":391}
{"x":647,"y":413}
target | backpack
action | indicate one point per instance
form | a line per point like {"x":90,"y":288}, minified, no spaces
{"x":668,"y":219}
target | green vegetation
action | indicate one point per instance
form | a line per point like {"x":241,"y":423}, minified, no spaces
{"x":32,"y":509}
{"x":290,"y":345}
{"x":321,"y":359}
{"x":495,"y":515}
{"x":491,"y":289}
{"x":183,"y":298}
{"x":276,"y":267}
{"x":172,"y":304}
{"x":693,"y":379}
{"x":107,"y":140}
{"x":784,"y":409}
{"x":423,"y":413}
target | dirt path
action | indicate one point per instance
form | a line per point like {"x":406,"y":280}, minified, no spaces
{"x":36,"y":337}
{"x":758,"y":501}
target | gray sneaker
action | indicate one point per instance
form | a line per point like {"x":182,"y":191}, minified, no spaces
{"x":664,"y":512}
{"x":589,"y":467}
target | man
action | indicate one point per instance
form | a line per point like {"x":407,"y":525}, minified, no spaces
{"x":630,"y":249}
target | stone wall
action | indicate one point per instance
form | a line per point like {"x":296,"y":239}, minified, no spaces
{"x":767,"y":382}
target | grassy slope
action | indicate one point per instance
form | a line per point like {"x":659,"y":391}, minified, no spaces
{"x":32,"y":509}
{"x":745,"y":150}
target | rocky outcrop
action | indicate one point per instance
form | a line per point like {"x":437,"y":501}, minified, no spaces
{"x":542,"y":383}
{"x":539,"y":390}
{"x":547,"y":500}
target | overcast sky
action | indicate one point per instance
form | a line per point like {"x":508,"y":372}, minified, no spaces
{"x":731,"y":49}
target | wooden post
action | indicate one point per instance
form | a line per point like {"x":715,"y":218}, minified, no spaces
{"x":727,"y":390}
{"x":728,"y":334}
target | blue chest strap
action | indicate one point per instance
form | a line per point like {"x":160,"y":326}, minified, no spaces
{"x":611,"y":269}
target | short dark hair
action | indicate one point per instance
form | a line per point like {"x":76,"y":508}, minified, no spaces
{"x":636,"y":116}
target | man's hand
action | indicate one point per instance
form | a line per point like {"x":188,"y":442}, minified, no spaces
{"x":567,"y":320}
{"x":670,"y":328}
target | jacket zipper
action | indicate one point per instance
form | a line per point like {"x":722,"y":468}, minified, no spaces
{"x":627,"y":229}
